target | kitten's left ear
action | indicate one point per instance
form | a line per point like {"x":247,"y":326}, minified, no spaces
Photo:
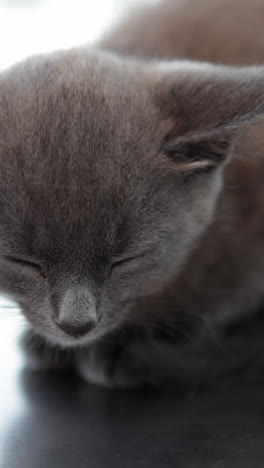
{"x":207,"y":105}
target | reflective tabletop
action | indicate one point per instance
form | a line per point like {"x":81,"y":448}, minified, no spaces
{"x":56,"y":420}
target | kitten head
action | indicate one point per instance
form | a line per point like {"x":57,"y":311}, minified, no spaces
{"x":110,"y":172}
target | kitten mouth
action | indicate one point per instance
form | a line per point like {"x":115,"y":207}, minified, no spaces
{"x":67,"y":341}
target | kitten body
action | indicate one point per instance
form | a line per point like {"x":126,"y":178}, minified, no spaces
{"x":131,"y":203}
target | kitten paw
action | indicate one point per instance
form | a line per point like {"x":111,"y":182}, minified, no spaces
{"x":112,"y":368}
{"x":41,"y":356}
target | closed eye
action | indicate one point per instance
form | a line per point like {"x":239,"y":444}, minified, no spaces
{"x":118,"y":262}
{"x":123,"y":261}
{"x":27,"y":264}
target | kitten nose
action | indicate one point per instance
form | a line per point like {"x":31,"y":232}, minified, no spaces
{"x":76,"y":330}
{"x":77,"y":313}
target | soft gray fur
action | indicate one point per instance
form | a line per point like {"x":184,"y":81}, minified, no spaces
{"x":131,"y":207}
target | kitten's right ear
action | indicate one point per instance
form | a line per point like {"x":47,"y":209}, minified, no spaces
{"x":206,"y":105}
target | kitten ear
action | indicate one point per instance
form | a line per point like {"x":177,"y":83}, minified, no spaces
{"x":207,"y":105}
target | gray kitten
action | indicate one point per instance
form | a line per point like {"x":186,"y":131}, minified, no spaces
{"x":132,"y":198}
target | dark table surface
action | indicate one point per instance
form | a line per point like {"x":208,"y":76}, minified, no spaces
{"x":53,"y":421}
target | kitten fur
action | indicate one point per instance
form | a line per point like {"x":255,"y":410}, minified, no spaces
{"x":132,"y":198}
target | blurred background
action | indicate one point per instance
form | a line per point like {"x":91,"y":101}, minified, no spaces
{"x":30,"y":27}
{"x":35,"y":26}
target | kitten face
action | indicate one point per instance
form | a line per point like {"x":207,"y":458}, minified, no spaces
{"x":93,"y":211}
